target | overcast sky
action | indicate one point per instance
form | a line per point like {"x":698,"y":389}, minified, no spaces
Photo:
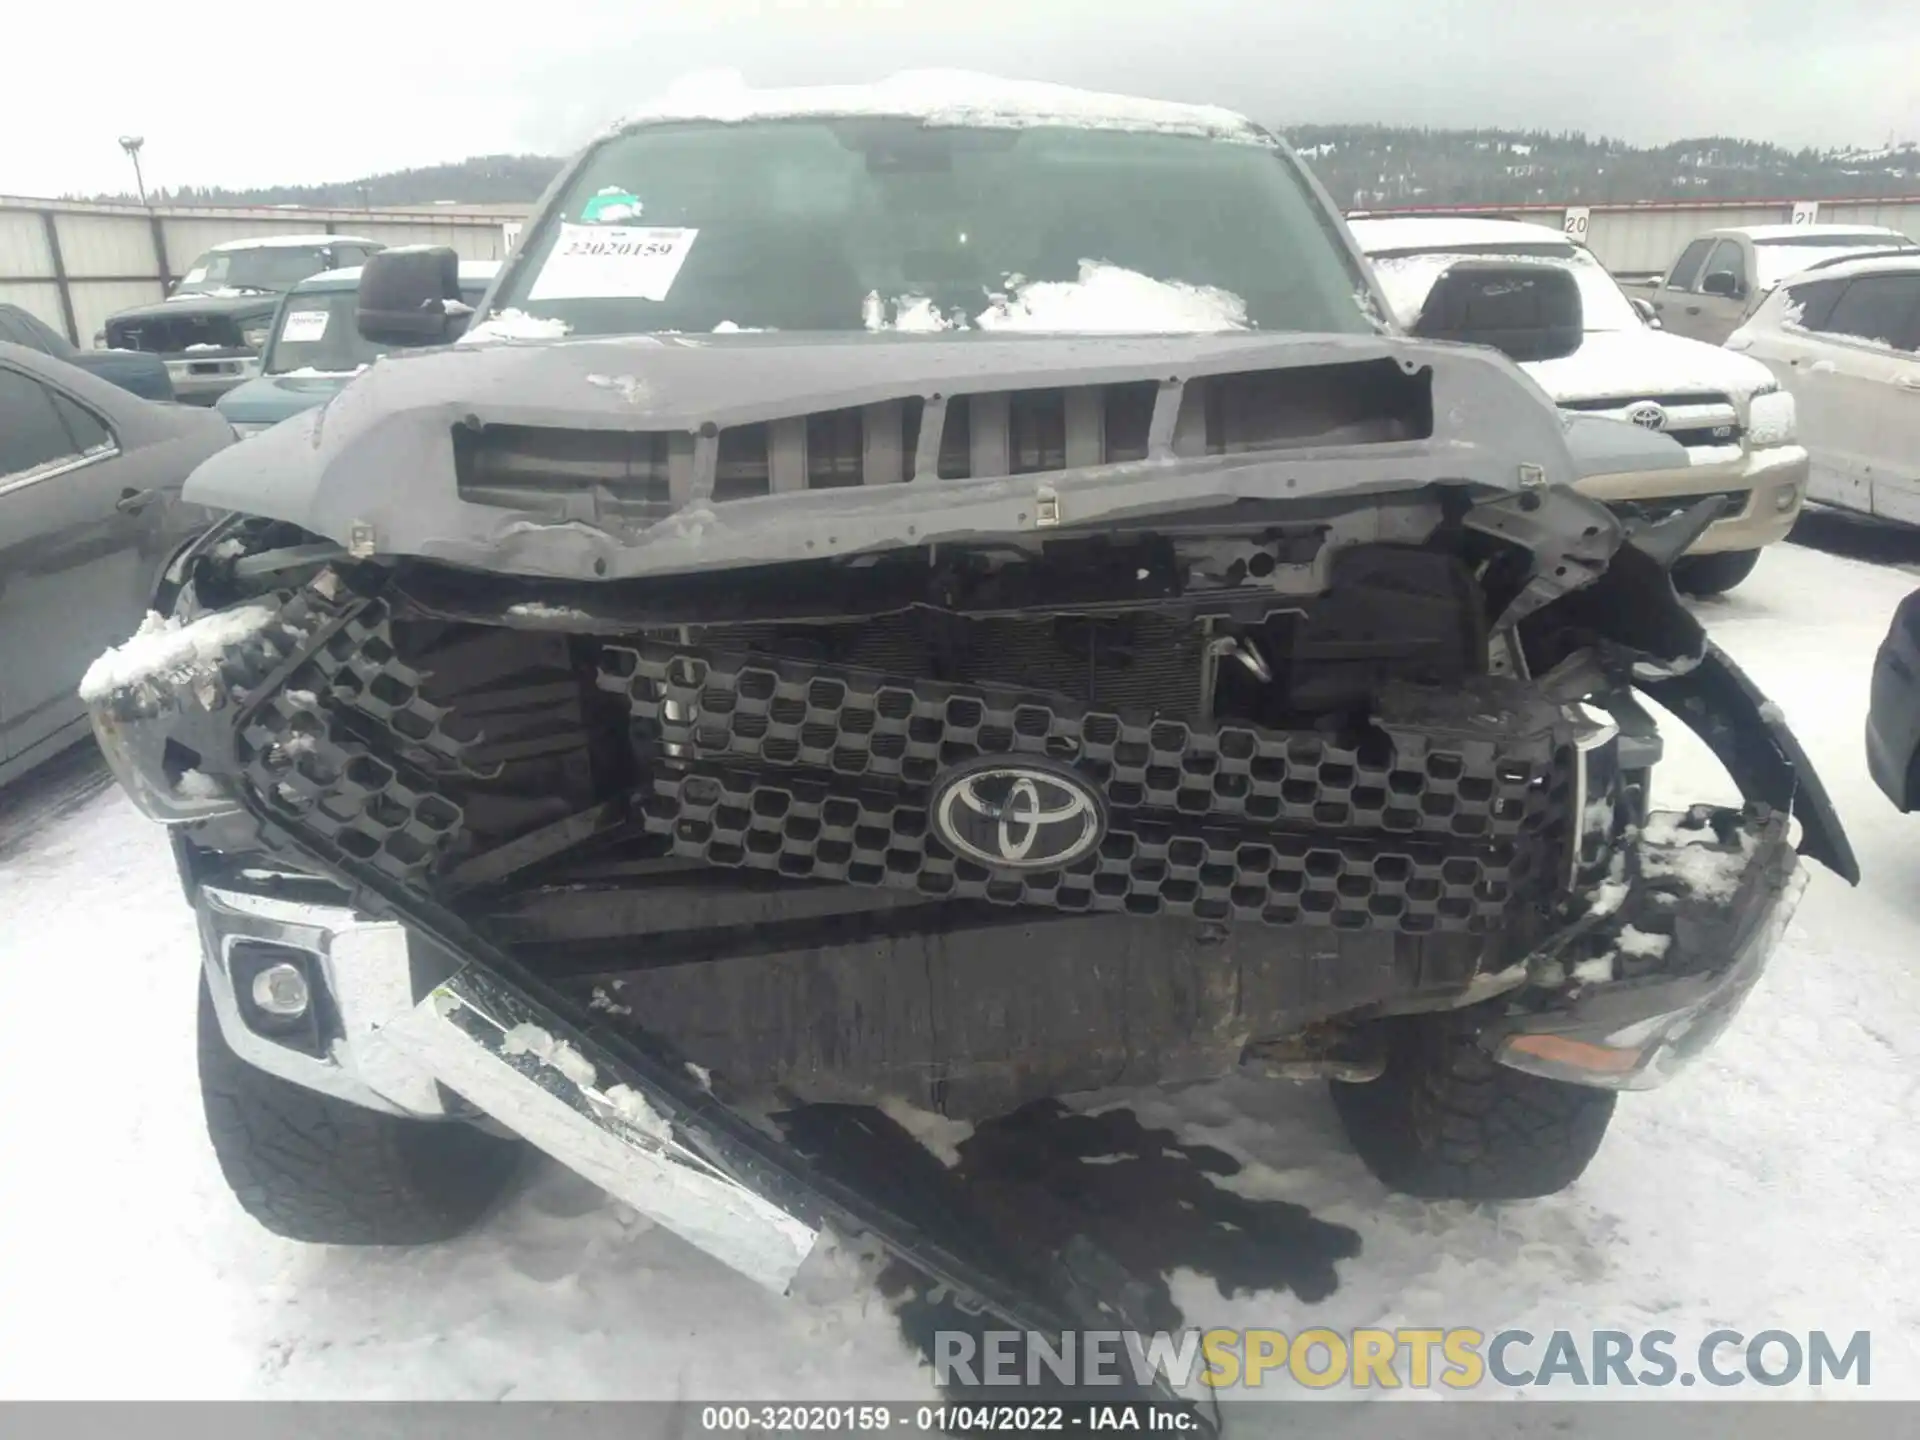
{"x":242,"y":94}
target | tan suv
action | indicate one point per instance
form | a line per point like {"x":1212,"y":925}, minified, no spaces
{"x":1737,"y":424}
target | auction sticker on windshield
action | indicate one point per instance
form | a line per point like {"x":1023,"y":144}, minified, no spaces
{"x":613,"y":262}
{"x":304,"y":326}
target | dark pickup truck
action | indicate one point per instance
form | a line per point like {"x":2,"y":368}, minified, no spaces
{"x":209,"y":331}
{"x":142,"y":375}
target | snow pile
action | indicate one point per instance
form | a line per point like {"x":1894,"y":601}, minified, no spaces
{"x":514,"y":325}
{"x":1110,"y":300}
{"x":198,"y":785}
{"x":1641,"y":945}
{"x":1771,"y":419}
{"x":1670,"y":849}
{"x":163,"y":648}
{"x":936,"y":1132}
{"x":309,"y":372}
{"x":943,"y":98}
{"x":540,"y":610}
{"x":631,"y":1106}
{"x":529,"y":1039}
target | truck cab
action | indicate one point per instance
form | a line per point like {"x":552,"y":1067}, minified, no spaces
{"x":1722,"y":276}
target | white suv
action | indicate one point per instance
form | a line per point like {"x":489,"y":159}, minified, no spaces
{"x":1845,"y":340}
{"x":1735,"y":421}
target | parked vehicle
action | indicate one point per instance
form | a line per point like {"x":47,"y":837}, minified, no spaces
{"x":90,"y":514}
{"x":634,"y":730}
{"x":314,"y":347}
{"x":1731,"y":415}
{"x":1845,"y":340}
{"x":1893,"y":709}
{"x":142,"y":375}
{"x":210,"y":329}
{"x":1721,"y":276}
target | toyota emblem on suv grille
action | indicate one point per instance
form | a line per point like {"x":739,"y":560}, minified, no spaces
{"x":1017,"y":816}
{"x":1648,"y":416}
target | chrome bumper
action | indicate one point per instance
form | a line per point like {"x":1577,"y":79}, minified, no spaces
{"x":201,"y":380}
{"x":389,"y":1048}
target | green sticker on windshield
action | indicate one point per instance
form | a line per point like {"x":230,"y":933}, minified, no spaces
{"x":612,"y":206}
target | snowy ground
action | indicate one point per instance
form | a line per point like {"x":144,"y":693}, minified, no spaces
{"x":1772,"y":1187}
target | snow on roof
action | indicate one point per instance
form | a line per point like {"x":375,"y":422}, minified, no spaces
{"x":1872,"y":263}
{"x":470,"y":270}
{"x":260,"y":242}
{"x":955,"y":98}
{"x":1423,"y":232}
{"x":1760,"y":234}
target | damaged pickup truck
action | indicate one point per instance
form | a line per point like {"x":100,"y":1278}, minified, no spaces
{"x":944,"y":594}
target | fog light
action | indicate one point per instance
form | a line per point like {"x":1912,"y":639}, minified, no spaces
{"x":1786,"y":499}
{"x":280,"y":990}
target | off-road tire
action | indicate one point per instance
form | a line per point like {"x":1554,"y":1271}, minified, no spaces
{"x":1702,"y":575}
{"x":313,"y":1168}
{"x":1445,"y":1122}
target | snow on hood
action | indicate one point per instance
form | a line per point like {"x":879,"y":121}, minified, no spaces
{"x":1110,"y":300}
{"x":514,"y":325}
{"x":950,"y":98}
{"x":1632,"y":364}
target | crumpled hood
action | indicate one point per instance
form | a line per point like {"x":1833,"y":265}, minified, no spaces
{"x":374,"y":468}
{"x":1641,"y":364}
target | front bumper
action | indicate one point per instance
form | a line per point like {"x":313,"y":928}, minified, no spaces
{"x":200,"y":378}
{"x":1672,"y":944}
{"x":402,"y":1029}
{"x":1768,"y":487}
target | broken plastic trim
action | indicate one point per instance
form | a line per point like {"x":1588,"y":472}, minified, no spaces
{"x":1747,"y":734}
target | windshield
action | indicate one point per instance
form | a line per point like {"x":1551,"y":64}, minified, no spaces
{"x":870,"y":224}
{"x":271,"y":268}
{"x":1407,"y":276}
{"x":1777,"y":259}
{"x":319,"y":334}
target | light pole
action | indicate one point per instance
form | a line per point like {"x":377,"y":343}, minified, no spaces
{"x":131,"y":144}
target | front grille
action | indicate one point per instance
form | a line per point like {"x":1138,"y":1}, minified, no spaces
{"x":826,"y":829}
{"x":808,"y":771}
{"x":1705,"y":422}
{"x":172,"y":334}
{"x":615,"y":476}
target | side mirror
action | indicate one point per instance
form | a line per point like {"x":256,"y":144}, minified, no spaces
{"x":1527,"y":312}
{"x":403,"y":295}
{"x":1647,"y":311}
{"x":1722,"y":283}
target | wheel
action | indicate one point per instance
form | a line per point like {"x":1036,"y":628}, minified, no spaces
{"x":1445,"y":1122}
{"x":1713,"y":574}
{"x":313,"y":1168}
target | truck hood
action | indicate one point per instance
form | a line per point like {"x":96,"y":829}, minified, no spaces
{"x":196,"y":304}
{"x":269,"y":399}
{"x":1646,"y":364}
{"x":374,"y":469}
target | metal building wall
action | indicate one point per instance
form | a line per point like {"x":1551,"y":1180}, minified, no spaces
{"x":73,"y":263}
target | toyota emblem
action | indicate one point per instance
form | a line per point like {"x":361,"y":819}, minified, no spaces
{"x":1024,"y":816}
{"x":1648,"y":416}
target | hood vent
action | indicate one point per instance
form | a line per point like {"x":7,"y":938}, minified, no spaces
{"x":625,"y":476}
